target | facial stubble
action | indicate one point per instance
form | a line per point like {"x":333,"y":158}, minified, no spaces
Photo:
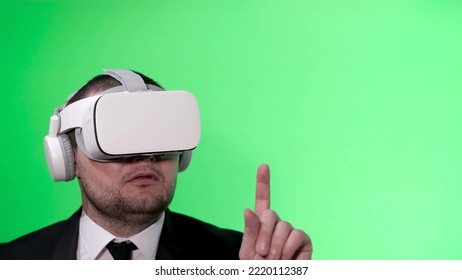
{"x":108,"y":200}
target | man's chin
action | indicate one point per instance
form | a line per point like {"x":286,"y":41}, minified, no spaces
{"x":144,"y":206}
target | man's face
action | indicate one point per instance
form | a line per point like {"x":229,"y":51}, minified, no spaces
{"x":126,"y":190}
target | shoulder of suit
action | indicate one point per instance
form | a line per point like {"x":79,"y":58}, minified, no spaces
{"x":195,"y":226}
{"x":34,"y":245}
{"x":199,"y":239}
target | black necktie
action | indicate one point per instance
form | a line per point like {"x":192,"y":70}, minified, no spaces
{"x":121,"y":251}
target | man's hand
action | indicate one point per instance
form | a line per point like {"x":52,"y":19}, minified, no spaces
{"x":266,"y":237}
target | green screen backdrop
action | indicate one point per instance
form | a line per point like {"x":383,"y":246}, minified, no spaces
{"x":355,"y":105}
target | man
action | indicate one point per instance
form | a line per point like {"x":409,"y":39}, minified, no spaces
{"x":125,"y":197}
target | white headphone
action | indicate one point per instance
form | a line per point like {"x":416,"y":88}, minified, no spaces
{"x":58,"y":147}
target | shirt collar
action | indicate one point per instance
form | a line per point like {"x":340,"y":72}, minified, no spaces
{"x":94,"y":238}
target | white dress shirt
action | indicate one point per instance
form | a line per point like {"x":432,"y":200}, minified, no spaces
{"x":93,"y":240}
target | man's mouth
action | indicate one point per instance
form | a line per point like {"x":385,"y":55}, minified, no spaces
{"x":143,"y":178}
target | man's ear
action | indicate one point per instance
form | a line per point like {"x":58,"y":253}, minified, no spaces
{"x":76,"y":167}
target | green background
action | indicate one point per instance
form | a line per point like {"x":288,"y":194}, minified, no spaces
{"x":355,"y":105}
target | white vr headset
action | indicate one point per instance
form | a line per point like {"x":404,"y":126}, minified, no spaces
{"x":134,"y":120}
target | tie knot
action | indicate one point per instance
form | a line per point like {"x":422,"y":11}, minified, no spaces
{"x":122,"y":250}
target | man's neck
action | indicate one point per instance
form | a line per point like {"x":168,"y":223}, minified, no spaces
{"x":121,"y":226}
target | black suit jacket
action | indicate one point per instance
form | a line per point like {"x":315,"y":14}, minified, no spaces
{"x":182,"y":238}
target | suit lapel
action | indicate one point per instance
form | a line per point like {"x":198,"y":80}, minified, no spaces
{"x":65,"y":247}
{"x":169,"y":248}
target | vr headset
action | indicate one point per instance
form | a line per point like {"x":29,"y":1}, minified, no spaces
{"x":127,"y":121}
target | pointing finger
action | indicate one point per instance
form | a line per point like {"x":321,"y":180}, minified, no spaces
{"x":262,"y":195}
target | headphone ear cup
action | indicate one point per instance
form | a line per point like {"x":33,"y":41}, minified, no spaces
{"x":185,"y":159}
{"x":68,"y":156}
{"x":60,"y":157}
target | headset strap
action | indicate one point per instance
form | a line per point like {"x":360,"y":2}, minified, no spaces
{"x":130,"y":80}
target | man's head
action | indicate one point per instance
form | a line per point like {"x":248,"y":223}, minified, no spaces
{"x":126,"y":148}
{"x":131,"y":119}
{"x":134,"y":188}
